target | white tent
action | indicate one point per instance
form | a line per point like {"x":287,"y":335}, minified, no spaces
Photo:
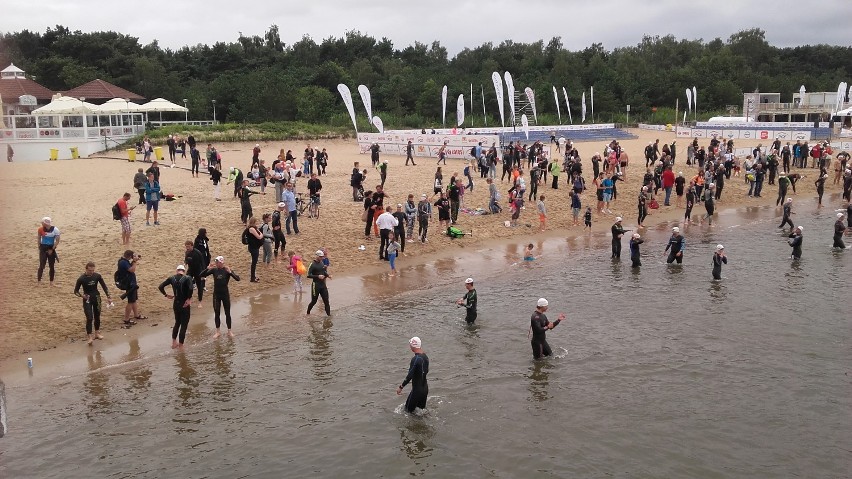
{"x":66,"y":105}
{"x":119,"y":105}
{"x":162,"y":105}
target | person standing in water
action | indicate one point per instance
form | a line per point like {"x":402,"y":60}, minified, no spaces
{"x":676,"y":246}
{"x":89,"y":281}
{"x":839,"y":230}
{"x":181,"y":303}
{"x":418,"y":368}
{"x":539,"y":325}
{"x":719,"y":259}
{"x":795,"y":242}
{"x":788,"y":210}
{"x":318,"y":272}
{"x":617,"y":233}
{"x":469,"y":301}
{"x":221,"y":295}
{"x":635,"y":255}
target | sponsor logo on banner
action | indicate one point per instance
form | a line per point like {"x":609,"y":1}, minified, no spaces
{"x":699,"y":133}
{"x":684,"y":132}
{"x":764,"y":135}
{"x":846,"y":145}
{"x":458,"y":146}
{"x":747,"y":134}
{"x":731,"y":134}
{"x":802,"y":135}
{"x":712,"y":133}
{"x":782,"y":135}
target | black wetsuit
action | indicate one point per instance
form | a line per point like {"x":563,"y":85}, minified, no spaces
{"x":617,"y":231}
{"x":677,"y":243}
{"x":91,"y":306}
{"x":245,"y":203}
{"x":786,"y":219}
{"x":318,"y":287}
{"x":195,"y":264}
{"x":796,"y":243}
{"x":182,"y":291}
{"x":417,"y":371}
{"x":470,"y":305}
{"x":839,"y":229}
{"x":278,"y":233}
{"x":539,"y":326}
{"x":634,"y":252}
{"x":221,"y":295}
{"x":718,"y":261}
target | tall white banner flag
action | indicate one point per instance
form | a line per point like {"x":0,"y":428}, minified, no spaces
{"x":583,"y":109}
{"x":471,"y":104}
{"x":688,"y":100}
{"x":531,"y":97}
{"x":460,"y":111}
{"x":347,"y":100}
{"x":377,"y":122}
{"x":482,"y":92}
{"x":695,"y":101}
{"x":498,"y":89}
{"x":802,"y":98}
{"x":556,"y":99}
{"x":444,"y":105}
{"x":567,"y":105}
{"x":510,"y":91}
{"x":593,"y":102}
{"x":365,"y":98}
{"x":525,"y":124}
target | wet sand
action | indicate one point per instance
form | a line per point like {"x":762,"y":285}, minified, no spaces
{"x":77,"y":194}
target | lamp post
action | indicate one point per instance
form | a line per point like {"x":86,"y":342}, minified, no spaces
{"x":187,"y":111}
{"x":214,"y":112}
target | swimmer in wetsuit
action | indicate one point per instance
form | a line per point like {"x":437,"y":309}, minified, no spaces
{"x":719,"y":259}
{"x":221,"y":296}
{"x":417,"y":371}
{"x":839,"y":230}
{"x":469,"y":301}
{"x":539,"y":324}
{"x":795,"y":242}
{"x":181,"y":305}
{"x":635,"y":256}
{"x":675,"y":247}
{"x":318,"y":272}
{"x":89,"y":281}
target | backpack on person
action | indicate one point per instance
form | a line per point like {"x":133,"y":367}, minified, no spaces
{"x":120,"y":277}
{"x":116,"y":212}
{"x":472,"y":152}
{"x":245,"y":236}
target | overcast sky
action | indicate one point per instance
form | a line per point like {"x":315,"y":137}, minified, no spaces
{"x":613,"y":23}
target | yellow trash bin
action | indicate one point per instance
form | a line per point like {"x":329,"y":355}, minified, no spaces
{"x":158,"y":153}
{"x":54,"y":154}
{"x":75,"y":153}
{"x":131,"y":154}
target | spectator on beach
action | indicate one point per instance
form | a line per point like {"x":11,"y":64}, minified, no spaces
{"x":216,"y":178}
{"x":386,"y":223}
{"x":424,"y":214}
{"x":124,"y":212}
{"x":152,"y":199}
{"x":253,"y":239}
{"x":289,"y":199}
{"x":139,"y":180}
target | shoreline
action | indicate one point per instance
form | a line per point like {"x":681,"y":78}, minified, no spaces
{"x":91,"y":237}
{"x":351,"y":288}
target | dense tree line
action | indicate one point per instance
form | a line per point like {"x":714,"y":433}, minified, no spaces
{"x":259,"y":79}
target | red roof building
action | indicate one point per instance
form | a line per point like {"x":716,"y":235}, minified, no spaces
{"x":14,"y":84}
{"x":98,"y":91}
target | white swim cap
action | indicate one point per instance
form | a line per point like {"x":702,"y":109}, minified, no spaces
{"x":618,"y":219}
{"x":636,"y":236}
{"x":181,"y":267}
{"x":789,"y":200}
{"x":840,"y":215}
{"x":220,"y":259}
{"x":800,"y":228}
{"x":414,"y":342}
{"x":675,"y":230}
{"x":719,"y":247}
{"x":468,"y":281}
{"x":541,"y":303}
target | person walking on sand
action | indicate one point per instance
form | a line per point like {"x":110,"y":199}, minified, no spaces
{"x":386,"y":223}
{"x":424,"y":214}
{"x":139,"y":180}
{"x":152,"y":199}
{"x":675,"y":247}
{"x":539,"y":325}
{"x":418,"y":369}
{"x":787,"y":212}
{"x":635,"y":254}
{"x":235,"y":175}
{"x":469,"y":301}
{"x":719,"y":259}
{"x":318,"y":272}
{"x":277,"y":232}
{"x":216,"y":178}
{"x":90,"y":281}
{"x":181,"y":303}
{"x":409,"y":154}
{"x":289,"y":199}
{"x":295,"y":267}
{"x":195,"y":264}
{"x":617,"y":233}
{"x":253,"y":238}
{"x":221,"y":295}
{"x":391,"y":252}
{"x":124,"y":218}
{"x":245,"y":202}
{"x":410,"y":218}
{"x":126,"y":274}
{"x":48,"y":240}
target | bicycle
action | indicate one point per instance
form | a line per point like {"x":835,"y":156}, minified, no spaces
{"x":311,"y":206}
{"x":314,"y":207}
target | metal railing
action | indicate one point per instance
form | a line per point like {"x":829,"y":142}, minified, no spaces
{"x":160,"y":124}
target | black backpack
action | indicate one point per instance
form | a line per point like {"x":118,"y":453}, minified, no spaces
{"x":473,"y":152}
{"x":116,"y":212}
{"x":120,"y":278}
{"x":245,"y":237}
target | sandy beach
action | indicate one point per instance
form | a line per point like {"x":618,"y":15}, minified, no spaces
{"x":78,"y":195}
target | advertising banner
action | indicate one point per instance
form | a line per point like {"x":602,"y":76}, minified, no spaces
{"x":394,"y":143}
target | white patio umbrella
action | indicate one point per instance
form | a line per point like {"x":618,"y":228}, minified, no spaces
{"x":66,"y":105}
{"x":119,"y":105}
{"x":161,"y":105}
{"x":846,"y":112}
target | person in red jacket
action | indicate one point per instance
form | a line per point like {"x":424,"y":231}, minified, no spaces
{"x":668,"y":182}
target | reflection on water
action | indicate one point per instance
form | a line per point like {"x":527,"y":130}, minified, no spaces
{"x":187,"y":384}
{"x":96,"y":385}
{"x":320,"y":350}
{"x":718,"y":291}
{"x":223,"y":381}
{"x":416,"y":437}
{"x":539,"y":380}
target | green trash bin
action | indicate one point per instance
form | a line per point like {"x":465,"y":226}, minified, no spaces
{"x":131,"y":154}
{"x":75,"y":153}
{"x":158,"y":153}
{"x":54,"y":154}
